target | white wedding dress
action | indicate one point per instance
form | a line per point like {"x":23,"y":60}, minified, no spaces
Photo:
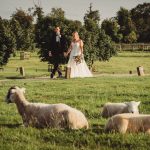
{"x":77,"y":69}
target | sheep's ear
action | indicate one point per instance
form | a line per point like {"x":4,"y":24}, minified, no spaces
{"x":138,"y":103}
{"x":23,"y":90}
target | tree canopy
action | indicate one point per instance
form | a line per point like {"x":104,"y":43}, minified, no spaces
{"x":27,"y":30}
{"x":134,"y":25}
{"x":93,"y":37}
{"x":141,"y":18}
{"x":22,"y":25}
{"x":112,"y":28}
{"x":7,"y":41}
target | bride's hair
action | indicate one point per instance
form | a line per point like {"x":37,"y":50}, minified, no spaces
{"x":77,"y":34}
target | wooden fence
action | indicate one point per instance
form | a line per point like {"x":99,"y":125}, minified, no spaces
{"x":133,"y":47}
{"x":25,"y":55}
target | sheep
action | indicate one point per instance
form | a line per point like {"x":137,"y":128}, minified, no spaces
{"x":128,"y":122}
{"x":42,"y":115}
{"x":111,"y":109}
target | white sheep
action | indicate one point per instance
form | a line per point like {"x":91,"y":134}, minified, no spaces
{"x":46,"y":115}
{"x":111,"y":109}
{"x":128,"y":122}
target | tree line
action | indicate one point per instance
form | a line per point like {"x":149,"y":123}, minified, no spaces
{"x":27,"y":30}
{"x":129,"y":26}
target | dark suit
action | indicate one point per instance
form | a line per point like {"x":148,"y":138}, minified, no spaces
{"x":58,"y":46}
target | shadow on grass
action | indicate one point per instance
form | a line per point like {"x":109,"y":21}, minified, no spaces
{"x":14,"y":77}
{"x":97,"y":128}
{"x":11,"y":125}
{"x":134,"y":56}
{"x":146,"y":103}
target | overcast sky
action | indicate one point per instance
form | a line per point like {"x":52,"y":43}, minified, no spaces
{"x":74,"y":9}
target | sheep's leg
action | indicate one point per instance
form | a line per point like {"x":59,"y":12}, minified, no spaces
{"x":109,"y":126}
{"x":122,"y":126}
{"x":26,"y":122}
{"x":71,"y":120}
{"x":73,"y":126}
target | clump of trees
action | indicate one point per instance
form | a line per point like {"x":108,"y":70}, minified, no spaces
{"x":97,"y":45}
{"x":23,"y":29}
{"x":141,"y":18}
{"x":7,"y":41}
{"x":129,"y":26}
{"x":16,"y":34}
{"x":23,"y":32}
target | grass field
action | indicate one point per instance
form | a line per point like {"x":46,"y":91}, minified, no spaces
{"x":120,"y":64}
{"x":86,"y":94}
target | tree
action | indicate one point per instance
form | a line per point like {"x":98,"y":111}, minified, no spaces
{"x":97,"y":44}
{"x":141,"y":18}
{"x":111,"y":28}
{"x":92,"y":14}
{"x":7,"y":41}
{"x":57,"y":13}
{"x":22,"y":25}
{"x":90,"y":32}
{"x":126,"y":25}
{"x":45,"y":27}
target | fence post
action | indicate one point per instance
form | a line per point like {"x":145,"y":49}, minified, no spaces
{"x":140,"y":71}
{"x":67,"y":72}
{"x":22,"y":71}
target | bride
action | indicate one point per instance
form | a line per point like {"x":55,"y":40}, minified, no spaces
{"x":76,"y":61}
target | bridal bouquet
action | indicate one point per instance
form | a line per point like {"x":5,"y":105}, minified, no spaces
{"x":78,"y":59}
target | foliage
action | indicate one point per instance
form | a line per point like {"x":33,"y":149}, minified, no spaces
{"x":130,"y":38}
{"x":88,"y":32}
{"x":127,"y":27}
{"x":7,"y":41}
{"x":22,"y":26}
{"x":98,"y":45}
{"x":141,"y":18}
{"x":133,"y":25}
{"x":104,"y":44}
{"x":92,"y":14}
{"x":112,"y":28}
{"x":44,"y":29}
{"x":57,"y":13}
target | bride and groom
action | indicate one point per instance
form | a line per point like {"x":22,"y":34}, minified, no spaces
{"x":76,"y":61}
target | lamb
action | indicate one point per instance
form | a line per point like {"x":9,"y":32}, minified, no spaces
{"x":111,"y":109}
{"x":42,"y":115}
{"x":128,"y":122}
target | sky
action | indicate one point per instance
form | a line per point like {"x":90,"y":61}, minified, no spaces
{"x":74,"y":9}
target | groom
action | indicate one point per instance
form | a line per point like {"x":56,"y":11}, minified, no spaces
{"x":58,"y":46}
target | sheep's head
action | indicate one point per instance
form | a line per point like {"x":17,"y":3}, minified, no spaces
{"x":12,"y":93}
{"x":133,"y":107}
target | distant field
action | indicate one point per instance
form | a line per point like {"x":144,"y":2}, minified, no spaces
{"x":33,"y":67}
{"x":120,"y":64}
{"x":87,"y":95}
{"x":125,"y":62}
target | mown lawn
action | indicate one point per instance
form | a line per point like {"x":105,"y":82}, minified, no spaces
{"x":125,"y":62}
{"x":120,"y":64}
{"x":87,"y":95}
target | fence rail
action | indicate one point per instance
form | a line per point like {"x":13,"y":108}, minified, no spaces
{"x":133,"y":47}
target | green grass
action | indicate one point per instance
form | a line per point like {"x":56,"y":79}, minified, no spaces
{"x":87,"y":95}
{"x":33,"y":67}
{"x":125,"y":62}
{"x":120,"y":64}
